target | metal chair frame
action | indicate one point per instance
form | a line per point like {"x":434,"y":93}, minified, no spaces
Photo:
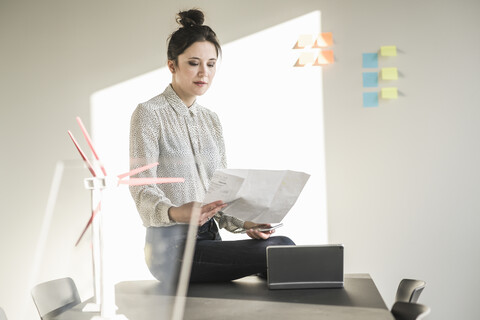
{"x":54,"y":296}
{"x":409,"y":311}
{"x":409,"y":290}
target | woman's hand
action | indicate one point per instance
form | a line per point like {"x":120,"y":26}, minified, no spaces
{"x":183,"y":213}
{"x":254,"y":233}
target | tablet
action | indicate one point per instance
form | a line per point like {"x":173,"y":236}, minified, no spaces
{"x":265,"y":227}
{"x":305,"y":266}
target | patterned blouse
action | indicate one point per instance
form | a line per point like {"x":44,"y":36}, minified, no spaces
{"x":187,"y":142}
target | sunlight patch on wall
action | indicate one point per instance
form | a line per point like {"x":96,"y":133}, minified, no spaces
{"x":272,"y":117}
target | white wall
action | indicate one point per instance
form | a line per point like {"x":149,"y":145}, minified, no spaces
{"x":401,"y":178}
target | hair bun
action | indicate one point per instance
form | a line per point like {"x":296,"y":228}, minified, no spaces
{"x":191,"y":18}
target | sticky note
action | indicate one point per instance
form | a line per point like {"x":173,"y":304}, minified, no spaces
{"x":305,"y":40}
{"x":370,"y":79}
{"x":370,"y":99}
{"x":370,"y":60}
{"x":388,"y":51}
{"x":324,"y":39}
{"x":325,"y":57}
{"x":306,"y":57}
{"x":389,"y":93}
{"x":389,"y":73}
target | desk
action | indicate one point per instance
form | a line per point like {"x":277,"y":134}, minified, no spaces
{"x":247,"y":298}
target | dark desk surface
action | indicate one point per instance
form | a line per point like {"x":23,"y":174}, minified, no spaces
{"x":246,"y":298}
{"x":359,"y":291}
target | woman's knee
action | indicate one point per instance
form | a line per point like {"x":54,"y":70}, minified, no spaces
{"x":280,"y":241}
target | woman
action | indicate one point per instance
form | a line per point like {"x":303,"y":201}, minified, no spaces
{"x":186,"y":139}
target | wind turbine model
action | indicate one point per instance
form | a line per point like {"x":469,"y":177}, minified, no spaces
{"x":104,"y":292}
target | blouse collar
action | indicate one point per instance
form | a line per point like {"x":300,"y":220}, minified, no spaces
{"x":177,"y":104}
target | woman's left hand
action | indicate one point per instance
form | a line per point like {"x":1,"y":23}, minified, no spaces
{"x":254,"y":232}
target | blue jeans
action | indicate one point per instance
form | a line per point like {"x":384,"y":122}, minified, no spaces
{"x":214,"y":259}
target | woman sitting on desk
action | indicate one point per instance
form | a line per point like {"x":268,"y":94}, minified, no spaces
{"x":186,"y":139}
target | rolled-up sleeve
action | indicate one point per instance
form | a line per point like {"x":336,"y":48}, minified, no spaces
{"x":229,"y":223}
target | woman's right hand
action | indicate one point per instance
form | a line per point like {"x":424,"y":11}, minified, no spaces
{"x":183,"y":213}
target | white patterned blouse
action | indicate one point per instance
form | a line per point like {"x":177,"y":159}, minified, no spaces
{"x":188,"y":143}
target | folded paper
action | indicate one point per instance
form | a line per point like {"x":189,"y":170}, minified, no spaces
{"x":261,"y":196}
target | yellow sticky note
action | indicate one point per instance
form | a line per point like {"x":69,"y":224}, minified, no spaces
{"x":388,"y":51}
{"x":305,"y":40}
{"x":324,"y":39}
{"x":389,"y":93}
{"x":306,"y":58}
{"x":389,"y":74}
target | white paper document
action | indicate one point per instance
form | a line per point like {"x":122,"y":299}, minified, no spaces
{"x":260,"y":196}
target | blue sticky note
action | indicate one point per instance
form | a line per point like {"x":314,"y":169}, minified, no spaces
{"x":370,"y":99}
{"x":370,"y":79}
{"x":370,"y":60}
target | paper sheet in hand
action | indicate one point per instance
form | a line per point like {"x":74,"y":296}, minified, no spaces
{"x":261,"y":196}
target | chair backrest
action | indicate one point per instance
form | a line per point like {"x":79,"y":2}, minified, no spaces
{"x":3,"y":316}
{"x":409,"y":290}
{"x":409,"y":311}
{"x":54,"y":295}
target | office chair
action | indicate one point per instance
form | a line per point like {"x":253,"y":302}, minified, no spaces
{"x":409,"y":290}
{"x":54,"y":296}
{"x":3,"y":316}
{"x":409,"y":311}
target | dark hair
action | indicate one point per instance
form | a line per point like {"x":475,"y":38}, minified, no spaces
{"x":192,"y":30}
